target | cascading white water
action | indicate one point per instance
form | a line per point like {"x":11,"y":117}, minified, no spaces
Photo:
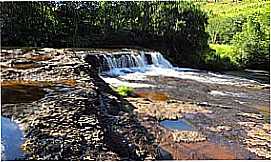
{"x":138,"y":65}
{"x":129,"y":61}
{"x":159,"y":60}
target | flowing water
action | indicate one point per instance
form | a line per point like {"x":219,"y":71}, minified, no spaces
{"x":150,"y":71}
{"x":120,"y":68}
{"x":228,"y":93}
{"x":11,"y":140}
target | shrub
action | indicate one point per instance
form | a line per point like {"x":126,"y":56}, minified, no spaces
{"x":253,"y":44}
{"x":124,"y":90}
{"x":227,"y":18}
{"x":221,"y":57}
{"x":246,"y":27}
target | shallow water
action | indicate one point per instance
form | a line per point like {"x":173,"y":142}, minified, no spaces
{"x":126,"y":70}
{"x":21,"y":94}
{"x":11,"y":140}
{"x":142,"y":74}
{"x":118,"y":82}
{"x":224,"y":93}
{"x":180,"y":124}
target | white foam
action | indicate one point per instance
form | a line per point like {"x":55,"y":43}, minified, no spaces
{"x":232,"y":94}
{"x":240,"y":102}
{"x":184,"y":69}
{"x":217,"y":93}
{"x":140,"y":70}
{"x":158,"y":60}
{"x":3,"y":156}
{"x":117,"y":82}
{"x":186,"y":73}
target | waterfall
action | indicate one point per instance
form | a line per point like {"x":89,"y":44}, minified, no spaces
{"x":159,"y":60}
{"x":130,"y":61}
{"x":131,"y":67}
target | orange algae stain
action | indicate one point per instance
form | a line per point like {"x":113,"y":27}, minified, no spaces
{"x":155,"y":96}
{"x":213,"y":151}
{"x":21,"y":94}
{"x":3,"y":66}
{"x":69,"y":82}
{"x":21,"y":83}
{"x":20,"y":91}
{"x":24,"y":91}
{"x":44,"y":57}
{"x":25,"y":83}
{"x":199,"y":151}
{"x":26,"y":66}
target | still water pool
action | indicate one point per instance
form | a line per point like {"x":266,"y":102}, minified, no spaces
{"x":11,"y":140}
{"x":180,"y":124}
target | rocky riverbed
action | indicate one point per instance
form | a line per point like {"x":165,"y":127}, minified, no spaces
{"x":68,"y":112}
{"x":229,"y":129}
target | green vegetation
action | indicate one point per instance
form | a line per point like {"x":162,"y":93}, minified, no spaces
{"x":224,"y":50}
{"x":221,"y":57}
{"x":124,"y":90}
{"x":239,"y":33}
{"x":175,"y":28}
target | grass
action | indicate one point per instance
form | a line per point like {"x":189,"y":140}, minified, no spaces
{"x":227,"y":8}
{"x":266,"y":113}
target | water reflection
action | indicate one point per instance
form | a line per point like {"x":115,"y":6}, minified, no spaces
{"x":11,"y":140}
{"x":180,"y":124}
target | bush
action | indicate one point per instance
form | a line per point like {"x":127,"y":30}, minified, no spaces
{"x":124,"y":90}
{"x":227,"y":18}
{"x":253,"y":44}
{"x":245,"y":26}
{"x":226,"y":51}
{"x":221,"y":57}
{"x":217,"y":63}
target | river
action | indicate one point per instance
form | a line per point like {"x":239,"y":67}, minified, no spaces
{"x":150,"y":71}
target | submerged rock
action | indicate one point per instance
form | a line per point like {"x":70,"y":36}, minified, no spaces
{"x":188,"y":136}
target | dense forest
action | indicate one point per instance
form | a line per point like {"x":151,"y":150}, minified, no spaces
{"x":178,"y":29}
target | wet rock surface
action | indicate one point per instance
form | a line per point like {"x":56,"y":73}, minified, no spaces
{"x":77,"y":117}
{"x":210,"y":132}
{"x":73,"y":114}
{"x":232,"y":130}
